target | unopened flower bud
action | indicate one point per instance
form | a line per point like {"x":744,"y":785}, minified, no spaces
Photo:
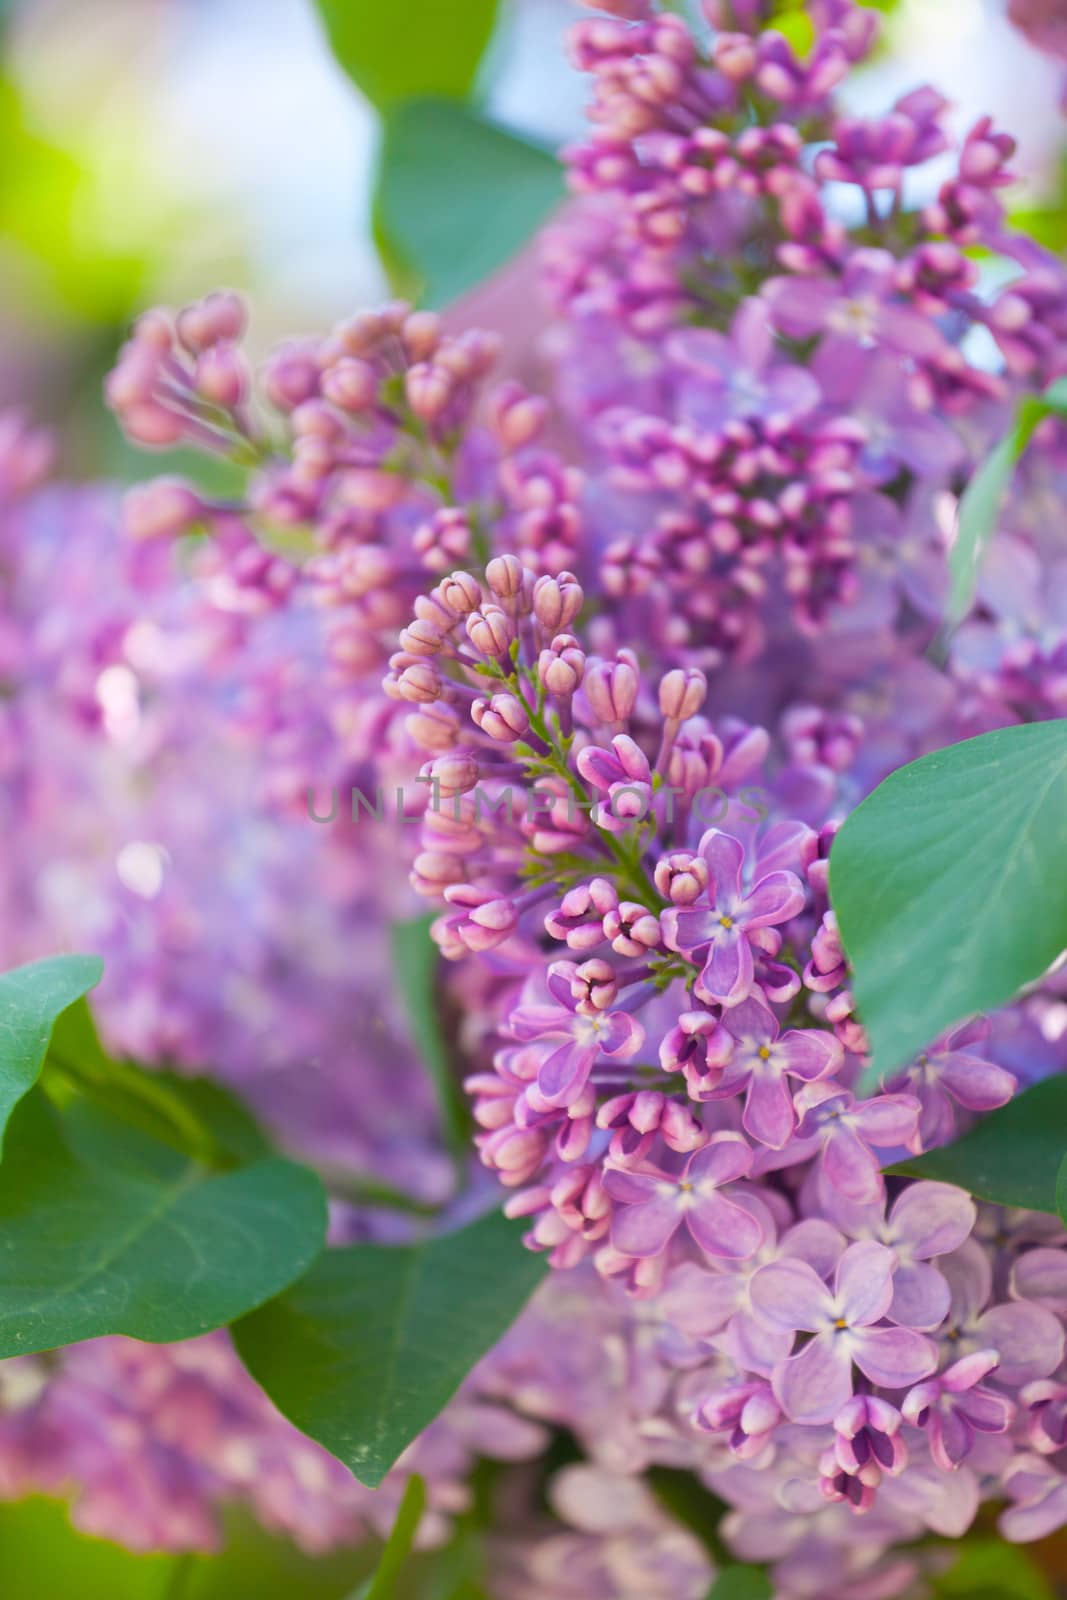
{"x":454,"y":773}
{"x":222,"y":375}
{"x":428,"y":389}
{"x":681,"y":877}
{"x":632,"y":929}
{"x":421,"y":638}
{"x":505,"y":576}
{"x":489,"y":630}
{"x":461,"y":593}
{"x":503,"y":717}
{"x":421,"y":333}
{"x":611,"y":687}
{"x":557,"y":601}
{"x":682,"y":692}
{"x":560,"y":667}
{"x":350,"y":384}
{"x":219,"y":317}
{"x":515,"y":416}
{"x":165,"y":507}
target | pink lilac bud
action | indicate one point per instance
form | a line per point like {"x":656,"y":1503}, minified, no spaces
{"x":222,"y":376}
{"x":1046,"y":1404}
{"x":504,"y":717}
{"x":579,"y":917}
{"x":479,"y":920}
{"x":611,"y":687}
{"x":291,"y":375}
{"x":351,"y":384}
{"x":593,"y":984}
{"x":557,"y":601}
{"x":505,"y":576}
{"x":632,"y":930}
{"x":416,"y":680}
{"x":681,"y":877}
{"x":163,"y":508}
{"x":421,"y":333}
{"x":436,"y":728}
{"x":429,"y":388}
{"x":561,"y":665}
{"x":454,"y":773}
{"x":682,"y":693}
{"x":489,"y":630}
{"x":421,"y":638}
{"x":515,"y":416}
{"x":219,"y":317}
{"x":461,"y":593}
{"x":446,"y":538}
{"x":867,"y":1434}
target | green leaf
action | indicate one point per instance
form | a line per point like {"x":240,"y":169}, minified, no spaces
{"x":415,"y":967}
{"x":365,"y":1350}
{"x":105,"y":1230}
{"x":194,"y":1115}
{"x":459,"y":195}
{"x":979,"y":509}
{"x":983,"y":497}
{"x":381,"y":1584}
{"x":1013,"y":1156}
{"x":693,"y":1505}
{"x":409,"y":48}
{"x":1061,"y":1190}
{"x":31,"y":1000}
{"x":742,"y":1583}
{"x":992,"y":1569}
{"x":949,"y":886}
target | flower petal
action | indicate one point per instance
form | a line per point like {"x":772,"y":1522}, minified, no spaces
{"x":645,"y":1230}
{"x":1029,"y":1339}
{"x":724,"y":1229}
{"x":725,"y":857}
{"x":813,"y":1386}
{"x":774,"y":899}
{"x":893,"y":1357}
{"x":932,"y":1219}
{"x":790,"y":1295}
{"x":769,"y":1117}
{"x":727,"y":975}
{"x":726,"y":1157}
{"x":920,"y":1296}
{"x":863,"y":1283}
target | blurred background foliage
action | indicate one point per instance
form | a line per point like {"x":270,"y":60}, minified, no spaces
{"x":314,"y":155}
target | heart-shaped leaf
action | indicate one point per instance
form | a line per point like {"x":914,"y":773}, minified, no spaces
{"x":459,"y":195}
{"x":1012,"y":1156}
{"x":105,"y":1230}
{"x":949,"y":886}
{"x":366,"y":1349}
{"x":32,"y":998}
{"x":409,"y":48}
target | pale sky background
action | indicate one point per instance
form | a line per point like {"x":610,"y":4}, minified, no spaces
{"x":236,"y":108}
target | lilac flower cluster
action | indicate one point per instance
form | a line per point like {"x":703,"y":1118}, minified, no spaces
{"x":372,"y":459}
{"x":673,"y":1097}
{"x":779,"y":368}
{"x":786,"y":344}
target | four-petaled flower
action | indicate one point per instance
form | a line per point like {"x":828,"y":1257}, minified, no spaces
{"x":815,"y":1384}
{"x":737,"y":917}
{"x":584,"y":1036}
{"x":651,"y":1206}
{"x":762,"y":1060}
